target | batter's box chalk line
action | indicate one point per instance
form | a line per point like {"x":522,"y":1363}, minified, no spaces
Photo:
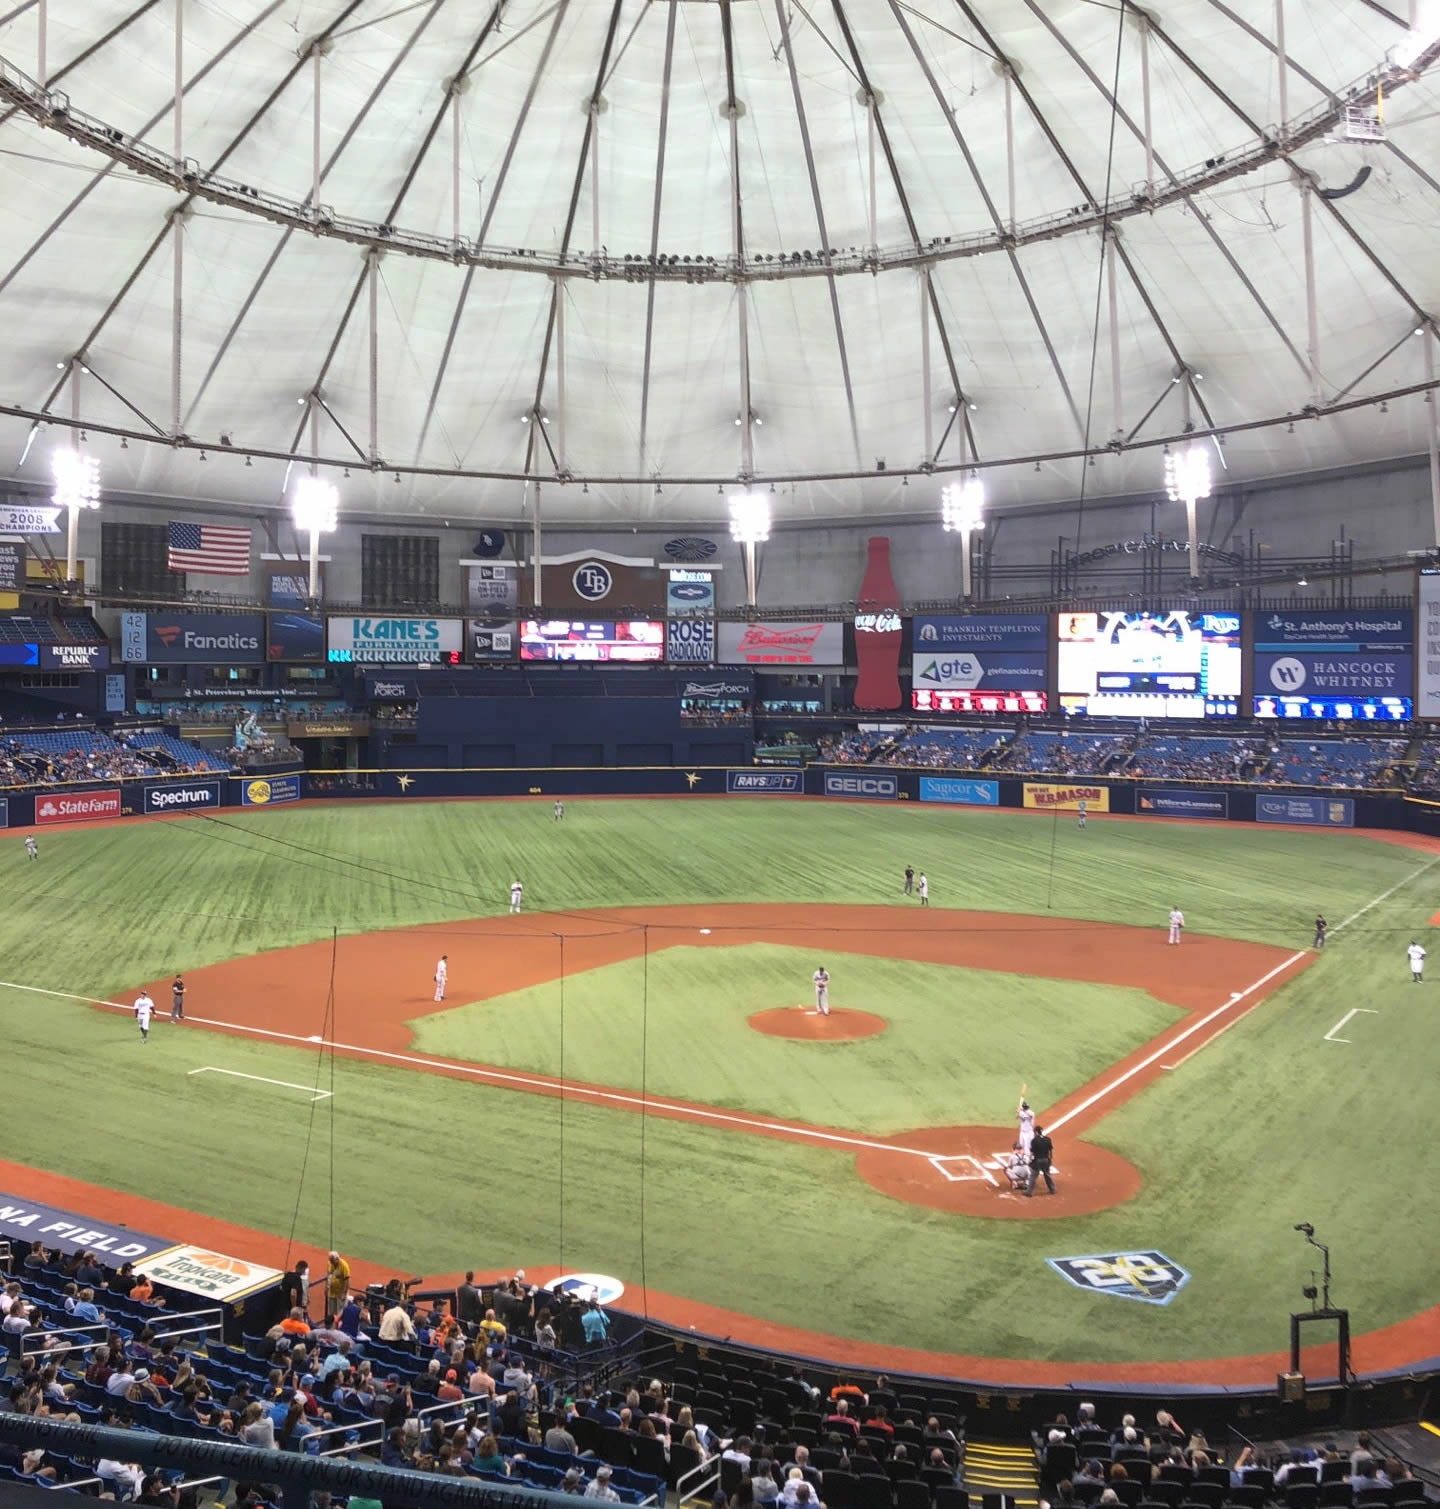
{"x":965,"y":1170}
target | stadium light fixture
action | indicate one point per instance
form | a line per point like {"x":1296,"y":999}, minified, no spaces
{"x":315,"y":507}
{"x":1187,"y":480}
{"x":750,"y":526}
{"x":77,"y":487}
{"x":962,"y":512}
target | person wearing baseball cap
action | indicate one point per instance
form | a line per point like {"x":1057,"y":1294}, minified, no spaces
{"x":599,"y":1487}
{"x":449,"y":1389}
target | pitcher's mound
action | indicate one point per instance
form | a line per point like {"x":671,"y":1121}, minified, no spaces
{"x":809,"y":1026}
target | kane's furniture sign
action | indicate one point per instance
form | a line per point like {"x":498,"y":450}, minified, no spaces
{"x":1312,"y":811}
{"x":25,"y":1221}
{"x":1049,"y":798}
{"x":762,"y":782}
{"x":83,"y":807}
{"x":395,"y":641}
{"x":817,"y":644}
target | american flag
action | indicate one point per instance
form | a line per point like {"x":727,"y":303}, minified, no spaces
{"x":209,"y":549}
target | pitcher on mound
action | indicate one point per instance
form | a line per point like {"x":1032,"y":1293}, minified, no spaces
{"x":821,"y":978}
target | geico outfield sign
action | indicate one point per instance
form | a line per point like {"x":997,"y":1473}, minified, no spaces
{"x":844,"y":783}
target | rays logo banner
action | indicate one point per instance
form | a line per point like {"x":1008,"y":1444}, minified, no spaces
{"x":1149,"y":1277}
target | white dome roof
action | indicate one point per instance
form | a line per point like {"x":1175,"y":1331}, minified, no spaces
{"x":488,"y":204}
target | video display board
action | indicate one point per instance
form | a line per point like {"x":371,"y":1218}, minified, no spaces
{"x":1167,"y":664}
{"x":1334,"y":663}
{"x":602,"y":640}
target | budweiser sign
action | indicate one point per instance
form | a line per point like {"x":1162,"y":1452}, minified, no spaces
{"x":81,"y":808}
{"x":818,"y":644}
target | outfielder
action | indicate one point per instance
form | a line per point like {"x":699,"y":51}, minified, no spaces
{"x":32,"y":849}
{"x":144,"y":1009}
{"x":1026,"y":1118}
{"x":1080,"y":810}
{"x":1416,"y":955}
{"x":517,"y":891}
{"x":559,"y":812}
{"x":1177,"y":924}
{"x":822,"y":990}
{"x":442,"y":971}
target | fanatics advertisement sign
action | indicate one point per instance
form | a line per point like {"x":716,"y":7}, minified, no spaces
{"x":83,"y":807}
{"x":193,"y":638}
{"x":817,"y":644}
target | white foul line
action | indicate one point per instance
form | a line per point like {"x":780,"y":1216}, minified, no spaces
{"x":1330,"y":1036}
{"x":260,"y":1079}
{"x":1240,"y":995}
{"x":525,"y":1081}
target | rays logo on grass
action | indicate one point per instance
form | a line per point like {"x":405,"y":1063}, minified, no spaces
{"x":1147,"y":1276}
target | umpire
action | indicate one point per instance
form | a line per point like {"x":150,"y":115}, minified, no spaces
{"x":1041,"y":1151}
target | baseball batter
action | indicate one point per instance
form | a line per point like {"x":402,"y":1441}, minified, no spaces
{"x":1177,"y":924}
{"x":1416,"y":954}
{"x":442,"y":973}
{"x":517,"y":892}
{"x":1026,"y":1118}
{"x":144,"y":1010}
{"x":822,"y":990}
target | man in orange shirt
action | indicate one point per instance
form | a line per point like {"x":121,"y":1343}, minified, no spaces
{"x":143,"y":1288}
{"x":295,"y":1323}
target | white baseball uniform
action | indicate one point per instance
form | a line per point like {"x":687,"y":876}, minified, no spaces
{"x":1080,"y":810}
{"x":1027,"y":1128}
{"x":822,"y":991}
{"x":1177,"y":921}
{"x":559,"y":811}
{"x":924,"y":891}
{"x":1416,"y":955}
{"x":32,"y":848}
{"x":144,"y":1009}
{"x":442,"y":970}
{"x":516,"y":892}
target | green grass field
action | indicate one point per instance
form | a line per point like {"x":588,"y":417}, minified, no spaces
{"x":1269,"y":1125}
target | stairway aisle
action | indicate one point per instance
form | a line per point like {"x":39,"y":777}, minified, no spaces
{"x":993,"y":1468}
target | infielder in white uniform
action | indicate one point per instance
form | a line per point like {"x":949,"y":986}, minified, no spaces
{"x":822,"y":990}
{"x":1177,"y":923}
{"x":442,"y":971}
{"x":144,"y":1009}
{"x":1416,"y":954}
{"x":924,"y":888}
{"x":516,"y":892}
{"x":1027,"y":1125}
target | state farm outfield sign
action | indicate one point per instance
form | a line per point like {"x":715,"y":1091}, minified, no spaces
{"x":394,"y":641}
{"x":83,"y":807}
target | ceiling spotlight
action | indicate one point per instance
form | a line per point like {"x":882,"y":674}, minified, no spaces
{"x":314,"y":504}
{"x":962,"y":506}
{"x":749,"y":518}
{"x":1302,"y":582}
{"x":1187,"y":475}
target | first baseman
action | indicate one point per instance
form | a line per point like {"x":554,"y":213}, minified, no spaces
{"x":1416,"y":954}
